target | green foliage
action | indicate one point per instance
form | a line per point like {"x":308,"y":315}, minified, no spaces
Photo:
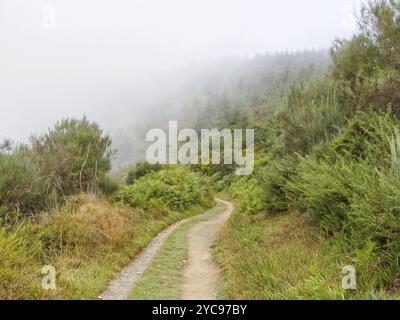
{"x":357,"y":192}
{"x":71,"y":158}
{"x":367,"y":136}
{"x":374,"y":213}
{"x":274,"y":179}
{"x":325,"y":189}
{"x":249,"y":191}
{"x":141,"y":169}
{"x":265,"y":190}
{"x":327,"y":184}
{"x":175,"y":188}
{"x":19,"y":253}
{"x":367,"y":66}
{"x":108,"y":186}
{"x":75,"y":154}
{"x":22,"y":188}
{"x":312,"y":115}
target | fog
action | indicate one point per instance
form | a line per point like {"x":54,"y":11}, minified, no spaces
{"x":114,"y":61}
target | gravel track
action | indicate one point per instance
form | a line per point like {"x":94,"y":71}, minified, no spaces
{"x":201,"y":274}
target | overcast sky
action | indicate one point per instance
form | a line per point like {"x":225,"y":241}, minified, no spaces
{"x":102,"y":57}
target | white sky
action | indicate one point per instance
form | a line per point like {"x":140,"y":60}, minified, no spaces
{"x":102,"y":57}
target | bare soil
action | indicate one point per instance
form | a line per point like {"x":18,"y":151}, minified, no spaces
{"x":201,"y":274}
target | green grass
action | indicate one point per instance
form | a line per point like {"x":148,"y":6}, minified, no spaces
{"x":283,"y":257}
{"x":162,"y":281}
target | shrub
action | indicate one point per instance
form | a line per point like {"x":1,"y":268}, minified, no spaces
{"x":328,"y":180}
{"x":108,"y":186}
{"x":22,"y":189}
{"x":177,"y":188}
{"x":366,"y":67}
{"x":222,"y":182}
{"x":367,"y":137}
{"x":353,"y":189}
{"x":75,"y":156}
{"x":140,"y":170}
{"x":312,"y":115}
{"x":375,"y":213}
{"x":274,"y":180}
{"x":325,"y":189}
{"x":250,"y":193}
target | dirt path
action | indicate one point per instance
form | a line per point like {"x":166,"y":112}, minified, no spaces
{"x":121,"y":287}
{"x":201,"y":274}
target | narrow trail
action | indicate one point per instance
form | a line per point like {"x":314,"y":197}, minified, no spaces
{"x":200,"y":277}
{"x":121,"y":287}
{"x":201,"y":274}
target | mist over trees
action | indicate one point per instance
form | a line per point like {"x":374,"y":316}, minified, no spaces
{"x":219,"y":94}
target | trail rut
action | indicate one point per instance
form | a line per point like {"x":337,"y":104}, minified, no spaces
{"x":121,"y":287}
{"x":201,"y":274}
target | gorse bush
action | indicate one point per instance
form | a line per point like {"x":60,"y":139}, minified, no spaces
{"x":75,"y":154}
{"x":265,"y":190}
{"x":367,"y":136}
{"x":312,"y":114}
{"x":374,"y":213}
{"x":175,"y":188}
{"x":274,"y":180}
{"x":73,"y":157}
{"x":356,"y":192}
{"x":366,"y":67}
{"x":325,"y":189}
{"x":22,"y":187}
{"x":326,"y":183}
{"x":249,"y":191}
{"x":108,"y":185}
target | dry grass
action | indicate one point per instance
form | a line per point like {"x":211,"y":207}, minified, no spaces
{"x":88,"y":242}
{"x":88,"y":223}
